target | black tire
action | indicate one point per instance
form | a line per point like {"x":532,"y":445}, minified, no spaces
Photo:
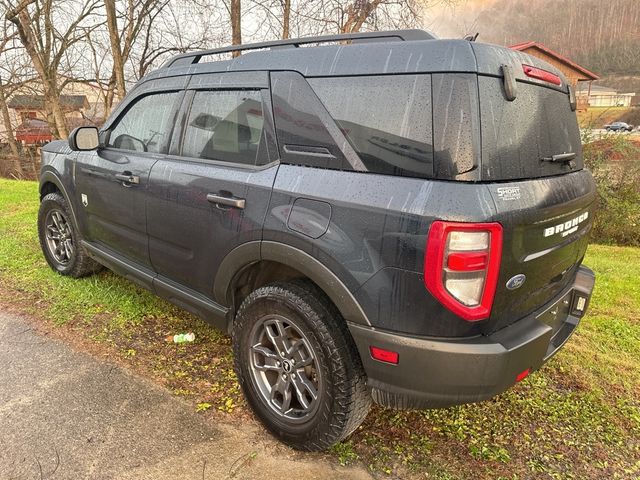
{"x":342,"y":401}
{"x":72,"y":261}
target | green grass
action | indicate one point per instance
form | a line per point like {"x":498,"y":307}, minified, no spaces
{"x":579,"y":417}
{"x":598,"y":117}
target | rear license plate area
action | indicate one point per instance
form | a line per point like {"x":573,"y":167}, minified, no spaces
{"x":556,"y":314}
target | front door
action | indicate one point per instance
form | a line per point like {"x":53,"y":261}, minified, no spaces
{"x":112,"y":182}
{"x":211,"y":195}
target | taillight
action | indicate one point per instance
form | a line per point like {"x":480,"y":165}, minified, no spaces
{"x":540,"y":74}
{"x":461,"y":266}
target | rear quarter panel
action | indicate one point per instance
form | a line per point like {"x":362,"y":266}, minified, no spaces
{"x":375,"y":237}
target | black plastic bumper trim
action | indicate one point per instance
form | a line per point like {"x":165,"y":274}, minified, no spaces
{"x":435,"y":372}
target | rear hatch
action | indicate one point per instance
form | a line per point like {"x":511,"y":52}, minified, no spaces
{"x":546,"y":224}
{"x":532,"y":160}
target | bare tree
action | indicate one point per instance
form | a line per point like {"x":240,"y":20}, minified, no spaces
{"x":286,"y":18}
{"x":5,"y":91}
{"x":164,"y":35}
{"x":357,"y":13}
{"x":603,"y":36}
{"x":235,"y":13}
{"x":46,"y":44}
{"x":137,"y":19}
{"x":116,"y":48}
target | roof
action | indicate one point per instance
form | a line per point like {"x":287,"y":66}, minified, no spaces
{"x":420,"y":56}
{"x":363,"y":58}
{"x":33,"y":130}
{"x":36,"y":102}
{"x":561,"y":58}
{"x":392,"y":35}
{"x":597,"y":88}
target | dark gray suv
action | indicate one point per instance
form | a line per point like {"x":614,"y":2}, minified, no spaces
{"x":387,"y":217}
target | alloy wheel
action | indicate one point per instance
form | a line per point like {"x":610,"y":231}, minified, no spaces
{"x":59,"y":237}
{"x":285,"y":368}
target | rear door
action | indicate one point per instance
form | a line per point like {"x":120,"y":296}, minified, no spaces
{"x":212,"y":192}
{"x":546,"y":228}
{"x":112,"y":182}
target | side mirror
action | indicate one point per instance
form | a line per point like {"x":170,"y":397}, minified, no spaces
{"x":83,"y":139}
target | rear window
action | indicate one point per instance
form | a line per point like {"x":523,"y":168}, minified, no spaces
{"x":518,"y":136}
{"x":386,"y":118}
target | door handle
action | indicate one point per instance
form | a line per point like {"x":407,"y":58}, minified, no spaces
{"x":228,"y":201}
{"x":128,"y":178}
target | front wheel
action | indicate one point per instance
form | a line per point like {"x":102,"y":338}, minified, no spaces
{"x":298,"y":366}
{"x":59,"y":240}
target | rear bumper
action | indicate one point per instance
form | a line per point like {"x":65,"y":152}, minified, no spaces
{"x":436,"y":372}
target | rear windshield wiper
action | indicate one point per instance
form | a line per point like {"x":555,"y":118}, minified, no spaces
{"x":560,"y":158}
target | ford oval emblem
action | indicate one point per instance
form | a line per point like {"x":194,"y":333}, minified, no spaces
{"x":516,"y":281}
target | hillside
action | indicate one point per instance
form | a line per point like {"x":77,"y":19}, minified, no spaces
{"x":602,"y":36}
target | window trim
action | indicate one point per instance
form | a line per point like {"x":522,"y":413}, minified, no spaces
{"x":179,"y":132}
{"x":164,"y":149}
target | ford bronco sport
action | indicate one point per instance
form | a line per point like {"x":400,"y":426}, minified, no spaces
{"x":379,"y":216}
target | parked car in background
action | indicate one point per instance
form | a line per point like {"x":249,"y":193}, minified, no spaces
{"x":362,"y":217}
{"x":618,"y":127}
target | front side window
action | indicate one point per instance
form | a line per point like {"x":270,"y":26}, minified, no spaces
{"x":145,"y":126}
{"x":225,"y":126}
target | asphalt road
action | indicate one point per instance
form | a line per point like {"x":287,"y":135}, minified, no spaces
{"x":66,"y":415}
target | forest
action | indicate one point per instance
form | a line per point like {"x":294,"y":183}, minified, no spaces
{"x":604,"y":36}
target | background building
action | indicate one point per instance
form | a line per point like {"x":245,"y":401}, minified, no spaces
{"x":81,"y":102}
{"x":578,"y":77}
{"x":602,"y":96}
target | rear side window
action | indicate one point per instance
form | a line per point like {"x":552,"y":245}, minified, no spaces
{"x":386,"y":118}
{"x":145,"y":126}
{"x":225,"y":126}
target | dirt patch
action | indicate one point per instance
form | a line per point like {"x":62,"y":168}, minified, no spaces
{"x":609,"y":149}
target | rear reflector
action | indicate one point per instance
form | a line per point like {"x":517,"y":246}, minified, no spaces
{"x":540,"y":74}
{"x":383,"y":355}
{"x":522,"y":375}
{"x":461,"y":266}
{"x":468,"y":261}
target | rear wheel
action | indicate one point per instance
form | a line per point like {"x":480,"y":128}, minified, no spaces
{"x":59,"y":240}
{"x":298,"y":366}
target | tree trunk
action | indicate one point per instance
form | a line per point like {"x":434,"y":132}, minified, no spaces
{"x":286,"y":15}
{"x":108,"y":98}
{"x":236,"y":25}
{"x":52,"y":99}
{"x":116,"y":49}
{"x":6,"y":119}
{"x":22,"y":20}
{"x":357,"y":14}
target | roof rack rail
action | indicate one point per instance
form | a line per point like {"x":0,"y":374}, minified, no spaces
{"x":195,"y":57}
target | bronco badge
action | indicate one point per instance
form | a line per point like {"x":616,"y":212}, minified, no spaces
{"x":567,"y":227}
